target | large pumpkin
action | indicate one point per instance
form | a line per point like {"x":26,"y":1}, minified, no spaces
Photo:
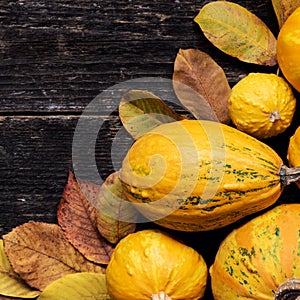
{"x":201,"y":175}
{"x":149,"y":264}
{"x":254,"y":260}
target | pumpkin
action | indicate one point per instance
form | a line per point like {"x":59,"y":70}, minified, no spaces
{"x":196,"y":175}
{"x":255,"y":260}
{"x":293,"y":155}
{"x":288,"y":48}
{"x":262,"y":105}
{"x":150,"y":264}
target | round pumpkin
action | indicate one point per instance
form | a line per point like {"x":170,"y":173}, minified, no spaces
{"x":288,"y":49}
{"x":254,"y":260}
{"x":294,"y":151}
{"x":262,"y":105}
{"x":149,"y":264}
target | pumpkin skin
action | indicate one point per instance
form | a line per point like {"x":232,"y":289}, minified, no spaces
{"x":255,"y":259}
{"x":148,"y":262}
{"x":288,"y":48}
{"x":207,"y":173}
{"x":293,"y":154}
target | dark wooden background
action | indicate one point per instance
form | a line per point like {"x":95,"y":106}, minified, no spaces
{"x":57,"y":55}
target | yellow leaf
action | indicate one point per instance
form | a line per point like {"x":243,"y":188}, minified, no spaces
{"x":80,"y":286}
{"x":283,"y":9}
{"x":237,"y":32}
{"x":11,"y":284}
{"x":140,"y":111}
{"x":40,"y":254}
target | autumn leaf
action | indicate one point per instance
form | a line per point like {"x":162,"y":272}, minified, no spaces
{"x":78,"y":218}
{"x":237,"y":32}
{"x":80,"y":286}
{"x":40,"y":254}
{"x":117,"y":217}
{"x":201,"y":85}
{"x":11,"y":284}
{"x":283,"y":9}
{"x":141,"y":111}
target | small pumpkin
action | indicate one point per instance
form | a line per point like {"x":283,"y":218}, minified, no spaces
{"x":196,"y":175}
{"x":255,"y":260}
{"x":149,"y":264}
{"x":293,"y":155}
{"x":262,"y":105}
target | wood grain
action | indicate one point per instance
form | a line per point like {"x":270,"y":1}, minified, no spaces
{"x":56,"y":56}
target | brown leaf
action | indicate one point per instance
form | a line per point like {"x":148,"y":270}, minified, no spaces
{"x":40,"y":254}
{"x":78,"y":218}
{"x":201,"y":85}
{"x":117,"y":217}
{"x":283,"y":9}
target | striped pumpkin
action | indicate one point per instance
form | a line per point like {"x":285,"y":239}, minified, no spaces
{"x":200,"y":175}
{"x":257,"y":258}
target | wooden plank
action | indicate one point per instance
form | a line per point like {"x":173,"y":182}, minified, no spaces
{"x":58,"y":55}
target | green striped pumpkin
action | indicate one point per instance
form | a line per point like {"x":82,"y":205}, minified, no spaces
{"x":195,"y":175}
{"x":255,"y":260}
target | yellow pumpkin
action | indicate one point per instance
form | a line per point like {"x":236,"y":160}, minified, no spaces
{"x":149,"y":264}
{"x":288,"y":49}
{"x":294,"y":151}
{"x":262,"y":105}
{"x":201,"y":175}
{"x":254,"y":260}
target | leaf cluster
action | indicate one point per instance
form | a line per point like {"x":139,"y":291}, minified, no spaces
{"x":37,"y":259}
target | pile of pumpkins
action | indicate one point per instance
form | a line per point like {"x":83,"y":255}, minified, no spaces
{"x":192,"y":176}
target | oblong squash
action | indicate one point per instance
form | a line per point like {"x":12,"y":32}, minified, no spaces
{"x":254,"y":260}
{"x":200,"y":175}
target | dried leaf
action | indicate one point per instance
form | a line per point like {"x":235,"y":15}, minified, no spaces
{"x":80,"y":286}
{"x":284,"y":8}
{"x":141,"y":111}
{"x":78,"y":218}
{"x":201,"y":85}
{"x":238,"y":32}
{"x":117,"y":217}
{"x":40,"y":254}
{"x":11,"y":284}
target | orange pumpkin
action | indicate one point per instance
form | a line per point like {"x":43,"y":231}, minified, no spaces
{"x":149,"y":264}
{"x":288,"y":48}
{"x":254,"y":260}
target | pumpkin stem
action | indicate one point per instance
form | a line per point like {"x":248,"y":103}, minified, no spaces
{"x":274,"y":116}
{"x":289,"y":290}
{"x":289,"y":175}
{"x":160,"y":296}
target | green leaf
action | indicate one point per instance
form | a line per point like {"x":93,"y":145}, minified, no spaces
{"x":79,"y":286}
{"x":11,"y":284}
{"x":237,"y":32}
{"x":116,"y":217}
{"x":283,"y":9}
{"x":141,"y":111}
